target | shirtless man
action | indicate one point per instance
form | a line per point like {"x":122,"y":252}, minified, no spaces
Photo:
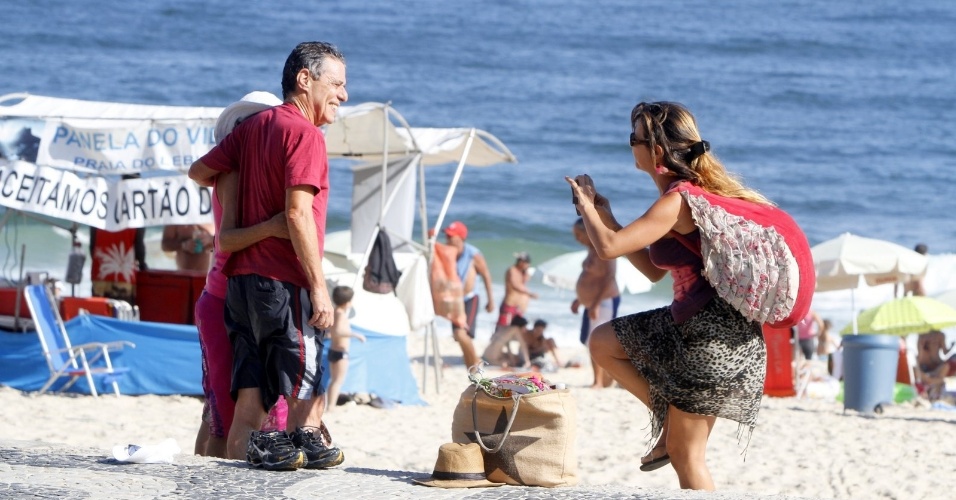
{"x":932,"y":363}
{"x":915,"y":285}
{"x":597,"y":292}
{"x":470,"y":264}
{"x":517,"y":294}
{"x":193,"y":244}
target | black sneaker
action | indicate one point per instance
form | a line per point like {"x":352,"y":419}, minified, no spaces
{"x":319,"y":456}
{"x":273,"y":451}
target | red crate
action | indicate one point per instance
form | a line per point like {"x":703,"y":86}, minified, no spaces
{"x":168,"y":296}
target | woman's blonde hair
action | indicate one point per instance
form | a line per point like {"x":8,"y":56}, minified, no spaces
{"x":672,"y":127}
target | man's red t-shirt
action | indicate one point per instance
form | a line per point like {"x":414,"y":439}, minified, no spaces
{"x":273,"y":151}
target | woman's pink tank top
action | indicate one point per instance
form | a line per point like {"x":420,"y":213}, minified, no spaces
{"x":691,"y":291}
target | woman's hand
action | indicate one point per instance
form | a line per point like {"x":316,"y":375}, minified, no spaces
{"x":583,"y":190}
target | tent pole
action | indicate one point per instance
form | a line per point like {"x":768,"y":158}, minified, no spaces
{"x":423,"y":208}
{"x":436,"y":358}
{"x":385,"y":124}
{"x":455,"y":179}
{"x":425,"y":360}
{"x":20,"y":285}
{"x":6,"y":217}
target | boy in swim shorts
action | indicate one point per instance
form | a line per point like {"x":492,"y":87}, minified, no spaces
{"x":341,"y":334}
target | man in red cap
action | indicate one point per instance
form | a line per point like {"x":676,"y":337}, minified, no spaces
{"x":470,"y":264}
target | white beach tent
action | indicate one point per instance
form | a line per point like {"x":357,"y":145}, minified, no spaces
{"x":388,"y":190}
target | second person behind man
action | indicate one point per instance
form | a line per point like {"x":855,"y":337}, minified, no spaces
{"x":277,"y":300}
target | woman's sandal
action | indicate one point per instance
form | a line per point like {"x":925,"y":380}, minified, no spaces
{"x":658,"y":462}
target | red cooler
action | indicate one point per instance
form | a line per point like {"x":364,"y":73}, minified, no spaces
{"x":779,"y":381}
{"x":168,"y":296}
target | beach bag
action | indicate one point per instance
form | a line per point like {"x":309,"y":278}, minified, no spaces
{"x":381,"y":273}
{"x":448,"y":295}
{"x":755,"y":256}
{"x":527,"y":429}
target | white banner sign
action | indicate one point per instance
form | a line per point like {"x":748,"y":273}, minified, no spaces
{"x":101,"y":202}
{"x":123,"y":146}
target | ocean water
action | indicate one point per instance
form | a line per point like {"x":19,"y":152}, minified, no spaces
{"x":840,"y":112}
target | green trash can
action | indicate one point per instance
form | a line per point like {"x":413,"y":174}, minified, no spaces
{"x":869,"y":375}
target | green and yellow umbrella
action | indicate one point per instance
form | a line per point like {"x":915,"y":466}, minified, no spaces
{"x":904,"y":316}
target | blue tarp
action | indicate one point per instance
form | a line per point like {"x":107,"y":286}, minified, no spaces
{"x":166,"y":360}
{"x":379,"y":366}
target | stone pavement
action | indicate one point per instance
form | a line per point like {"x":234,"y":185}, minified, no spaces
{"x":31,"y":469}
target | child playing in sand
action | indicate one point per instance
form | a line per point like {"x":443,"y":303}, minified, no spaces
{"x":539,"y":346}
{"x":340,"y":333}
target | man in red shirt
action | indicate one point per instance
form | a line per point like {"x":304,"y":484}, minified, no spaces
{"x":277,"y":303}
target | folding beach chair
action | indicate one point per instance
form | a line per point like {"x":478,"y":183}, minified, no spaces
{"x":65,"y":360}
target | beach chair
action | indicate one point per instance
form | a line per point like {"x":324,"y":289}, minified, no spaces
{"x":65,"y":360}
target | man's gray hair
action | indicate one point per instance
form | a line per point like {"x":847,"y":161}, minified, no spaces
{"x":310,"y":55}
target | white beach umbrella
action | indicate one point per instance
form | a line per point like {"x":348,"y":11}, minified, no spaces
{"x":563,"y":271}
{"x":843,"y":262}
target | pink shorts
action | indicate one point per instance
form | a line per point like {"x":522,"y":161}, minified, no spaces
{"x":216,"y":363}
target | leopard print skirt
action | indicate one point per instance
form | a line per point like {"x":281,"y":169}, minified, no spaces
{"x":712,"y":364}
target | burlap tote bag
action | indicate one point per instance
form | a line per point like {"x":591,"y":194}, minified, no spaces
{"x":526,"y":439}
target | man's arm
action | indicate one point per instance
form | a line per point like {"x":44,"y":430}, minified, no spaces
{"x":233,"y":239}
{"x":482,"y":267}
{"x":517,"y":280}
{"x":202,"y":174}
{"x":305,"y":242}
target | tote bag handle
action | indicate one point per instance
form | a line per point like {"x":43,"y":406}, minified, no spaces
{"x":504,"y":436}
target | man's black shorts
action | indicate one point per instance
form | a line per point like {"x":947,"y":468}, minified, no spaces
{"x":274,"y":348}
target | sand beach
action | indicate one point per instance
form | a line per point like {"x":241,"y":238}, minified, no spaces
{"x":805,"y":447}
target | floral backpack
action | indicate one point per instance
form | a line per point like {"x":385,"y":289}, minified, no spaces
{"x":755,"y":256}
